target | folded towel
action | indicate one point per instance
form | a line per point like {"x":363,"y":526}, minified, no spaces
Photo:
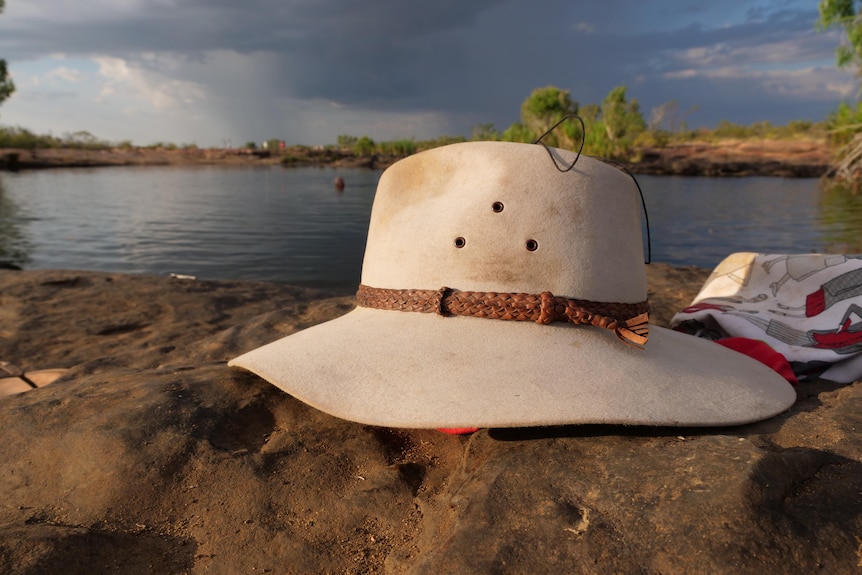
{"x":807,"y":307}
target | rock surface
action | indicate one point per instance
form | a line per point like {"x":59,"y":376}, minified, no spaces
{"x":779,"y":158}
{"x":151,"y":456}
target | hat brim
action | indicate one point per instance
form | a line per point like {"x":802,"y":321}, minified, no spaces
{"x":415,"y":370}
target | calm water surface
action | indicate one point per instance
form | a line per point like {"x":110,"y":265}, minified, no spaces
{"x":699,"y":221}
{"x":290,"y":225}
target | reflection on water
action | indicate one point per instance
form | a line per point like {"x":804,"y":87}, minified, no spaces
{"x":291,"y":225}
{"x":841,"y":219}
{"x":699,"y":221}
{"x":14,"y":243}
{"x":263,"y":223}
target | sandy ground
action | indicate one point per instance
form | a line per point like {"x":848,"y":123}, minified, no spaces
{"x":150,"y":455}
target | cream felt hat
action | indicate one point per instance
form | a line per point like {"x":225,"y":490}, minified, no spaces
{"x":499,"y":290}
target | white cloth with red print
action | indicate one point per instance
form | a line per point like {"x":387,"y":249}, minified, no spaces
{"x":807,"y":307}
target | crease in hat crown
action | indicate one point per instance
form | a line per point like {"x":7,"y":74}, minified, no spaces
{"x":498,"y":217}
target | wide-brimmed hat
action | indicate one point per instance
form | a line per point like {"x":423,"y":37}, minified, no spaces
{"x":500,"y":290}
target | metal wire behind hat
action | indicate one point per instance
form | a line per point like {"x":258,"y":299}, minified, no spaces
{"x":613,"y":163}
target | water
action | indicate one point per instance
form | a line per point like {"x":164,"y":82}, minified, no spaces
{"x":699,"y":221}
{"x":290,"y":225}
{"x":211,"y":222}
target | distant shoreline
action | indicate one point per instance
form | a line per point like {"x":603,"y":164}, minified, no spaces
{"x":783,"y":158}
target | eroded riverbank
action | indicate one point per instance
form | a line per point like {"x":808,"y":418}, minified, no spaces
{"x":784,"y":158}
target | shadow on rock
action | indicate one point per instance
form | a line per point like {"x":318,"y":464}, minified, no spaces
{"x":42,"y":548}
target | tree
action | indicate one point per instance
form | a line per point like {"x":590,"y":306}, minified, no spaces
{"x":843,"y":14}
{"x":596,"y":142}
{"x":6,"y":85}
{"x":546,"y":106}
{"x":623,"y":120}
{"x":482,"y":132}
{"x":844,"y":125}
{"x":519,"y":133}
{"x":364,"y":146}
{"x":610,"y":129}
{"x":346,"y":141}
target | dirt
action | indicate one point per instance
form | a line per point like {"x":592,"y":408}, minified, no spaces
{"x":152,"y":456}
{"x":790,"y":158}
{"x":782,"y":158}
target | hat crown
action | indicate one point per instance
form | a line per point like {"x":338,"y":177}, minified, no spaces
{"x":499,"y":216}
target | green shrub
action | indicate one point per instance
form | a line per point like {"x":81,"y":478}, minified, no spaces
{"x":844,"y":123}
{"x":23,"y":138}
{"x":364,"y":146}
{"x":291,"y":160}
{"x":518,"y":133}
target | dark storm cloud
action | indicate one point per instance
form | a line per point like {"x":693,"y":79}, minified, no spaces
{"x":476,"y":61}
{"x":334,"y":32}
{"x":347,"y":51}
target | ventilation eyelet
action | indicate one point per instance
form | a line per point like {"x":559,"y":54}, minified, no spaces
{"x":532,"y":245}
{"x":497,"y":207}
{"x":460,"y":242}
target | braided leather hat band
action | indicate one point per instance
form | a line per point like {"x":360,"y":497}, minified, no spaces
{"x":629,"y":321}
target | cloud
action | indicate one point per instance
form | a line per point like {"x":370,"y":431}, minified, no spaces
{"x":66,"y":74}
{"x":786,"y":51}
{"x":313,"y":69}
{"x":585,"y":28}
{"x":813,"y":83}
{"x":148,"y":81}
{"x":790,"y":66}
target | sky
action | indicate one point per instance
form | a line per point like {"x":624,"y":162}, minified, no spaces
{"x":218,"y":73}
